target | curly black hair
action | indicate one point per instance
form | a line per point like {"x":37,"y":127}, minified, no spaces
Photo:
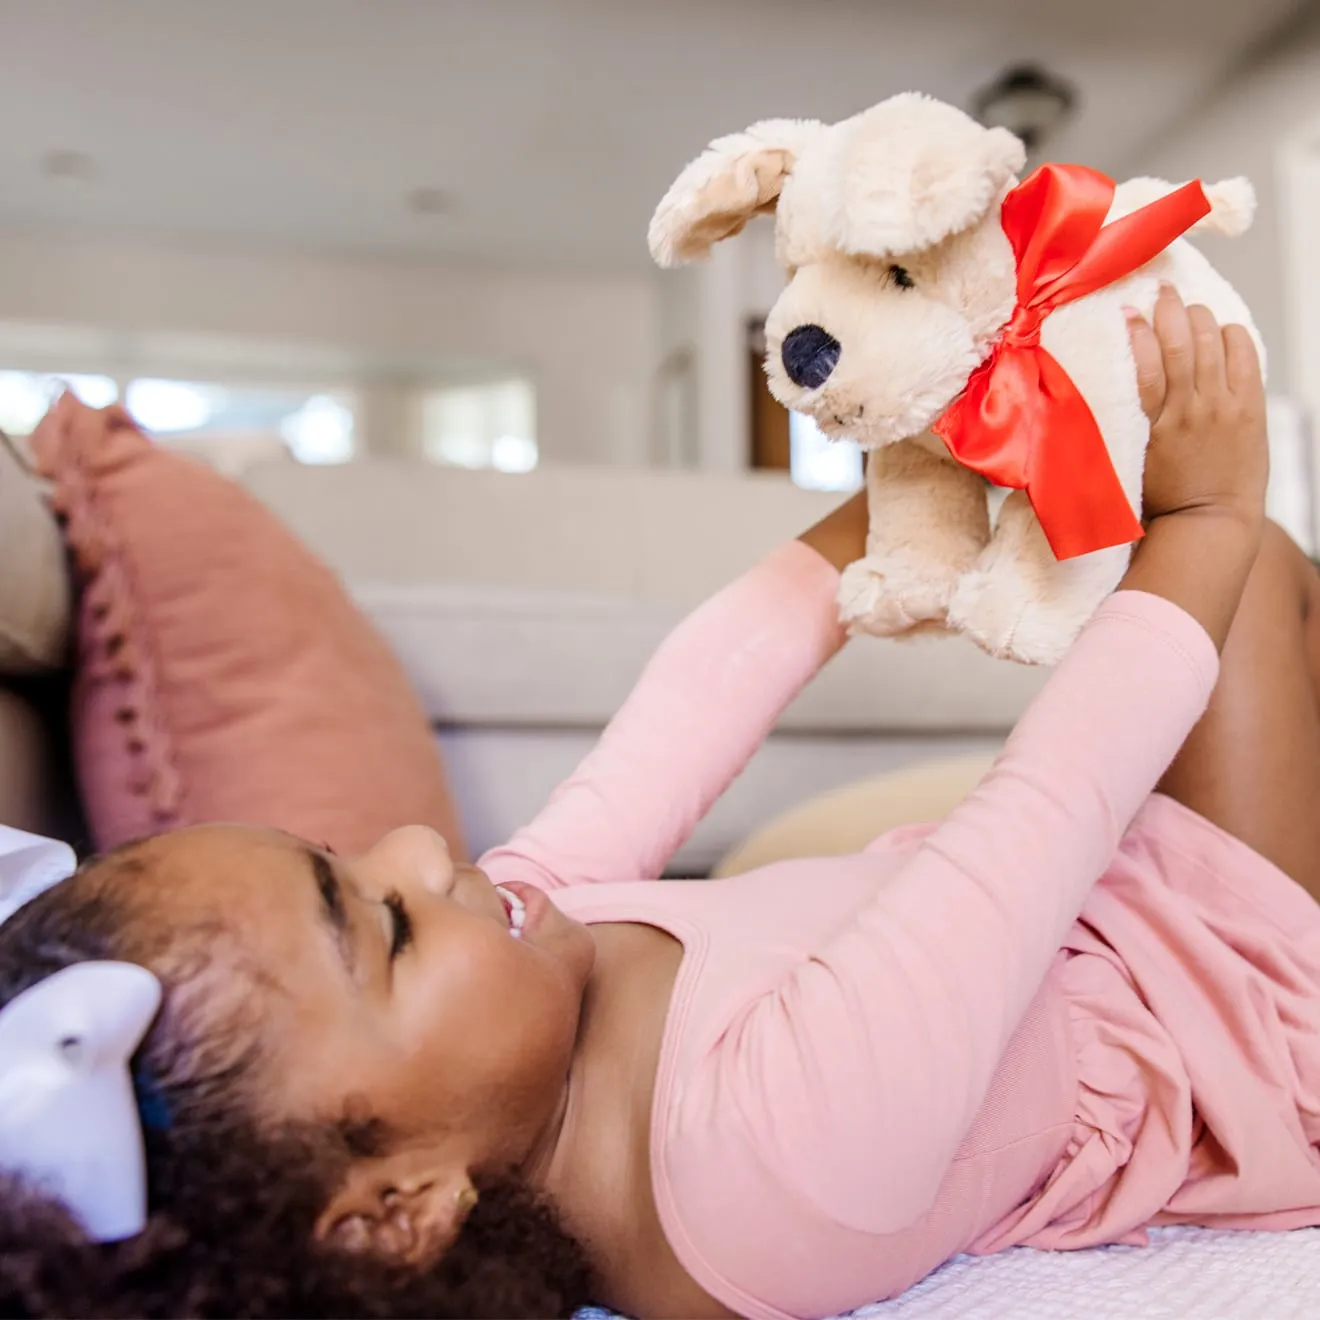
{"x":234,"y":1204}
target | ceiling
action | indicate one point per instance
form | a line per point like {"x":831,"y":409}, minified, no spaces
{"x":551,"y":127}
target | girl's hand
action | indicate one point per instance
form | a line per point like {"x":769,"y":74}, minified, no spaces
{"x":1207,"y":463}
{"x":1201,"y":387}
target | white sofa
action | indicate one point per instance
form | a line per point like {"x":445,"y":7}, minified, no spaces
{"x":525,"y":606}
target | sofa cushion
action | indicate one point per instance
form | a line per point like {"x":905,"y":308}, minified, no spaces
{"x":534,"y":600}
{"x":648,"y":534}
{"x":846,"y":819}
{"x":34,"y":578}
{"x":223,"y":673}
{"x":515,"y":657}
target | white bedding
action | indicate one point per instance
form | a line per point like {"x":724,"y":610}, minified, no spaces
{"x":1184,"y":1274}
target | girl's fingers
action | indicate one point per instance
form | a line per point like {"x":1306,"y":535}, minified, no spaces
{"x":1174,"y":330}
{"x":1151,"y":384}
{"x":1242,"y":362}
{"x":1208,"y":369}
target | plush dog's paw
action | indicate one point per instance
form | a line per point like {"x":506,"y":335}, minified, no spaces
{"x":890,"y":597}
{"x":1004,"y":621}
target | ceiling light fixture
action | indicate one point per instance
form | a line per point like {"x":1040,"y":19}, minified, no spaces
{"x":1028,"y":101}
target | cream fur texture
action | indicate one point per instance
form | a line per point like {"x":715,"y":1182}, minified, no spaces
{"x":888,"y":228}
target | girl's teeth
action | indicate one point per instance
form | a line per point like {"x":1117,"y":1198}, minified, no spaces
{"x":517,"y":910}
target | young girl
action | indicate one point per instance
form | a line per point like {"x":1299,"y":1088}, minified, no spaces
{"x":390,"y":1084}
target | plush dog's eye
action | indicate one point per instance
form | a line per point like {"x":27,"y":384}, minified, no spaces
{"x":901,"y":277}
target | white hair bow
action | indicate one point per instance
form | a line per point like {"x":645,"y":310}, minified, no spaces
{"x":69,"y":1120}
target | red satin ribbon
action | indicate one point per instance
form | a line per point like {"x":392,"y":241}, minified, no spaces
{"x":1021,"y":422}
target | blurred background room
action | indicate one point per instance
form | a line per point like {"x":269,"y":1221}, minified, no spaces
{"x":385,"y":262}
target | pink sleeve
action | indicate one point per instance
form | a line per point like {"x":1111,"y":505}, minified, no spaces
{"x":701,"y":708}
{"x":870,"y":1062}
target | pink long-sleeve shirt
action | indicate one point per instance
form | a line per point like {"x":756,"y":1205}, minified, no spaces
{"x":871,"y":1063}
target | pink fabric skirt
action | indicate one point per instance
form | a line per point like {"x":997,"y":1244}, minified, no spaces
{"x":1193,"y":986}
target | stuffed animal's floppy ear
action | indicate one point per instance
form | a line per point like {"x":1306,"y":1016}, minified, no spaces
{"x":910,"y":172}
{"x":735,"y":178}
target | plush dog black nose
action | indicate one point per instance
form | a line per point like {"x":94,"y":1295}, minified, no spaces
{"x":809,"y":356}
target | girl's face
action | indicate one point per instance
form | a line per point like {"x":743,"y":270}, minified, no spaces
{"x":392,"y":995}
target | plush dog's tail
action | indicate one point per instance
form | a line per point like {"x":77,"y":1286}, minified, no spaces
{"x":1232,"y":203}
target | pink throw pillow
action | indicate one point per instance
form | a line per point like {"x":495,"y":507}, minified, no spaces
{"x":223,"y":672}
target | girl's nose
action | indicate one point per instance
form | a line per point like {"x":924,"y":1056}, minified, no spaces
{"x":414,"y":857}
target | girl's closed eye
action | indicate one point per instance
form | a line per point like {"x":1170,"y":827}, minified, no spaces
{"x":401,"y":927}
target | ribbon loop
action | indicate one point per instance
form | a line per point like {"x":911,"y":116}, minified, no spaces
{"x":1021,"y":422}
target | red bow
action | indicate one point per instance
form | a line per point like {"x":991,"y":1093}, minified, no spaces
{"x":1021,"y":422}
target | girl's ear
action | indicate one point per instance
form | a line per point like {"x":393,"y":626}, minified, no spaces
{"x":405,"y":1207}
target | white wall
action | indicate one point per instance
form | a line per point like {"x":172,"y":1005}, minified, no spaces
{"x":1249,"y":127}
{"x":704,"y":310}
{"x":1299,"y":189}
{"x":586,"y":341}
{"x":629,"y":369}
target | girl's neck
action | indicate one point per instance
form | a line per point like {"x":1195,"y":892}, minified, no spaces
{"x":596,"y":1168}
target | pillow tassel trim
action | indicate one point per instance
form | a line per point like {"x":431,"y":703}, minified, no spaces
{"x":111,"y":650}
